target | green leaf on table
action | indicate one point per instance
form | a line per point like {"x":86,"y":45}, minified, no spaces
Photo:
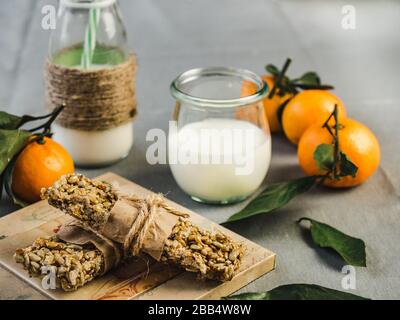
{"x":324,"y":156}
{"x":9,"y":121}
{"x":273,"y":70}
{"x":298,"y":292}
{"x":274,"y":197}
{"x":346,"y":167}
{"x":249,"y":296}
{"x":11,"y":142}
{"x":351,"y":249}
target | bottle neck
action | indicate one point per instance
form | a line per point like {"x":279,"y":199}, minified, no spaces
{"x":87,"y":4}
{"x":89,"y":35}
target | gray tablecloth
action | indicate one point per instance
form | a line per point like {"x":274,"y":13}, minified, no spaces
{"x":172,"y":36}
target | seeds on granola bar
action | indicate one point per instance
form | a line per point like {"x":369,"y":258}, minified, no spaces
{"x":201,"y":251}
{"x":87,"y":200}
{"x":73,"y":265}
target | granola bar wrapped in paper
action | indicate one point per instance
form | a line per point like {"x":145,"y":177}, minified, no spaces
{"x":75,"y":256}
{"x":147,"y":225}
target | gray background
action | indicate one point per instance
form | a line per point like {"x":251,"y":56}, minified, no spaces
{"x":172,"y":36}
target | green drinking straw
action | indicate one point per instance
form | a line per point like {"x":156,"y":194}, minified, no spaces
{"x":89,"y":43}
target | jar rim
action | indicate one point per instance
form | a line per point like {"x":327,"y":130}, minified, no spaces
{"x":196,"y":73}
{"x":89,"y":4}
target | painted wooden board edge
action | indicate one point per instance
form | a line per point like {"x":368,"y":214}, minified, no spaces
{"x":261,"y":268}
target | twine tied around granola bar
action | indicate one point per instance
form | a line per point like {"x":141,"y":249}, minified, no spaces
{"x":94,"y":99}
{"x":135,"y":223}
{"x":147,"y":208}
{"x":141,"y":224}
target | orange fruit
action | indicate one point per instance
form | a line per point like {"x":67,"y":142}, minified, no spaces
{"x":356,"y":141}
{"x":306,"y":108}
{"x":271,"y":106}
{"x":39,"y":166}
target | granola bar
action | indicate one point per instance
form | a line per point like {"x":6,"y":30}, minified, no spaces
{"x":73,"y":265}
{"x":212,"y":256}
{"x":89,"y":201}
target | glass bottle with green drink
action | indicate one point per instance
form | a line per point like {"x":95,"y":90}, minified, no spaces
{"x":89,"y":36}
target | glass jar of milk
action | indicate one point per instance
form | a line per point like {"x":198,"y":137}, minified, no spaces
{"x":219,"y":144}
{"x":91,"y":148}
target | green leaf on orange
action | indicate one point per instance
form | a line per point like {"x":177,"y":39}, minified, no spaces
{"x":9,"y":121}
{"x":274,"y":197}
{"x":310,"y":78}
{"x":8,"y":172}
{"x":351,"y":249}
{"x":273,"y":70}
{"x":304,"y":86}
{"x":281,"y":108}
{"x":324,"y":156}
{"x":346,"y":166}
{"x":1,"y":184}
{"x":11,"y":142}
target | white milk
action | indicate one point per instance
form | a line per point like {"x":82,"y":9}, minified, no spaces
{"x":222,"y":175}
{"x":96,"y":148}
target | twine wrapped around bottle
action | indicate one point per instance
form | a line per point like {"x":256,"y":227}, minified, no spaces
{"x":94,"y":99}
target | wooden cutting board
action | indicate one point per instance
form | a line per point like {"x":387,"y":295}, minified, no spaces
{"x":139,"y":279}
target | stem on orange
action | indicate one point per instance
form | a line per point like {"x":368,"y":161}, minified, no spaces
{"x":279,"y":78}
{"x":47,"y":125}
